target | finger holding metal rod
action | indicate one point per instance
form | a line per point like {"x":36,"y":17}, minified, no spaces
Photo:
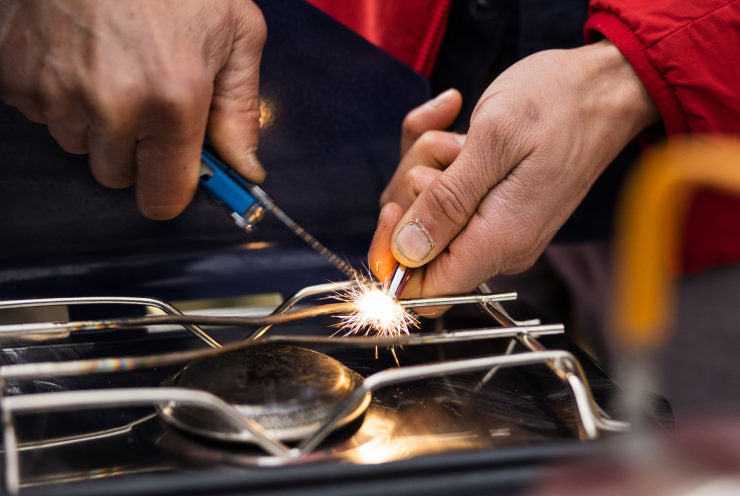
{"x":398,"y":280}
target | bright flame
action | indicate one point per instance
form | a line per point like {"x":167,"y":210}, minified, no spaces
{"x":375,"y":311}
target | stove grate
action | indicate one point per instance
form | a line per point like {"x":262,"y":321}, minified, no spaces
{"x":592,"y":420}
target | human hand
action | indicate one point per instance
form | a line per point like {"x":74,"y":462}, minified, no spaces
{"x":426,"y":150}
{"x":539,"y":137}
{"x":137,"y":84}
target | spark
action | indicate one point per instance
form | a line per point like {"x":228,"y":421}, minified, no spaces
{"x":375,"y":312}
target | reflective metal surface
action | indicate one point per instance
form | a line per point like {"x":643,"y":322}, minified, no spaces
{"x":291,"y":392}
{"x":457,"y":390}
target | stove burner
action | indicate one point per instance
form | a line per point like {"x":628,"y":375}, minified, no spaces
{"x":290,"y":391}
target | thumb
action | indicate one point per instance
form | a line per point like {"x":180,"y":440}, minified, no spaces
{"x":233,"y":123}
{"x":438,"y":215}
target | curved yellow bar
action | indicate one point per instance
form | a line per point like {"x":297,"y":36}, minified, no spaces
{"x":650,"y":218}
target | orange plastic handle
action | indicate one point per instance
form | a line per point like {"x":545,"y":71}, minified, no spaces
{"x":650,"y":217}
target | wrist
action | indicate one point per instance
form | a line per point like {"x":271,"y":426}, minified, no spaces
{"x":615,"y":90}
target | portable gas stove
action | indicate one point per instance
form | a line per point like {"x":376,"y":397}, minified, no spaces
{"x":165,"y":403}
{"x":144,"y":410}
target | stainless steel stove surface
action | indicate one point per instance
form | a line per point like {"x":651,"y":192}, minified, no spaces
{"x":507,"y":394}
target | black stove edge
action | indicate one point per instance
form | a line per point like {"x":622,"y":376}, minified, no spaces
{"x":505,"y":471}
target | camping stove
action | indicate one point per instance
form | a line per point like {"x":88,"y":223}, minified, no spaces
{"x":164,"y":397}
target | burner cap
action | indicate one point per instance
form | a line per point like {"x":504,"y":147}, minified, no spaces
{"x":291,"y":392}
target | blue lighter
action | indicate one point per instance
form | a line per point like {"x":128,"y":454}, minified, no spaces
{"x":230,"y":188}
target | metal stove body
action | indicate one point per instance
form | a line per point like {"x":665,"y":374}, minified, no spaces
{"x":480,"y":400}
{"x":501,"y":397}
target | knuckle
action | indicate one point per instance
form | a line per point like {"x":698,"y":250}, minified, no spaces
{"x":407,"y":185}
{"x":437,"y":149}
{"x":255,"y":22}
{"x":179,"y":95}
{"x":115,"y":113}
{"x":500,"y":119}
{"x":429,"y":139}
{"x":111,"y":97}
{"x":413,"y":123}
{"x":504,"y":128}
{"x":413,"y":173}
{"x":446,"y":199}
{"x":171,"y":92}
{"x":259,"y":29}
{"x":50,"y":95}
{"x":502,"y":115}
{"x":414,"y":179}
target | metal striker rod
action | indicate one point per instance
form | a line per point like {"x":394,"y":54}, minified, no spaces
{"x":20,"y":330}
{"x":120,"y":364}
{"x":314,"y":243}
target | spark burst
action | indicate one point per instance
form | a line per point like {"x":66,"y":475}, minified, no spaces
{"x":375,"y":311}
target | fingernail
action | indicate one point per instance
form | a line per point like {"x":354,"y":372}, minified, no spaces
{"x":255,"y":172}
{"x":441,"y":98}
{"x":461,"y":138}
{"x":413,"y":241}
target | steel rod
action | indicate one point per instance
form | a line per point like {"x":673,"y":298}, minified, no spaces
{"x":400,"y":375}
{"x":100,"y":300}
{"x":307,"y":292}
{"x":20,"y":330}
{"x":121,"y":364}
{"x":119,"y":397}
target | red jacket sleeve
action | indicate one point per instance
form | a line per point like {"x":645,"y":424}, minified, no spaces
{"x":687,"y":53}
